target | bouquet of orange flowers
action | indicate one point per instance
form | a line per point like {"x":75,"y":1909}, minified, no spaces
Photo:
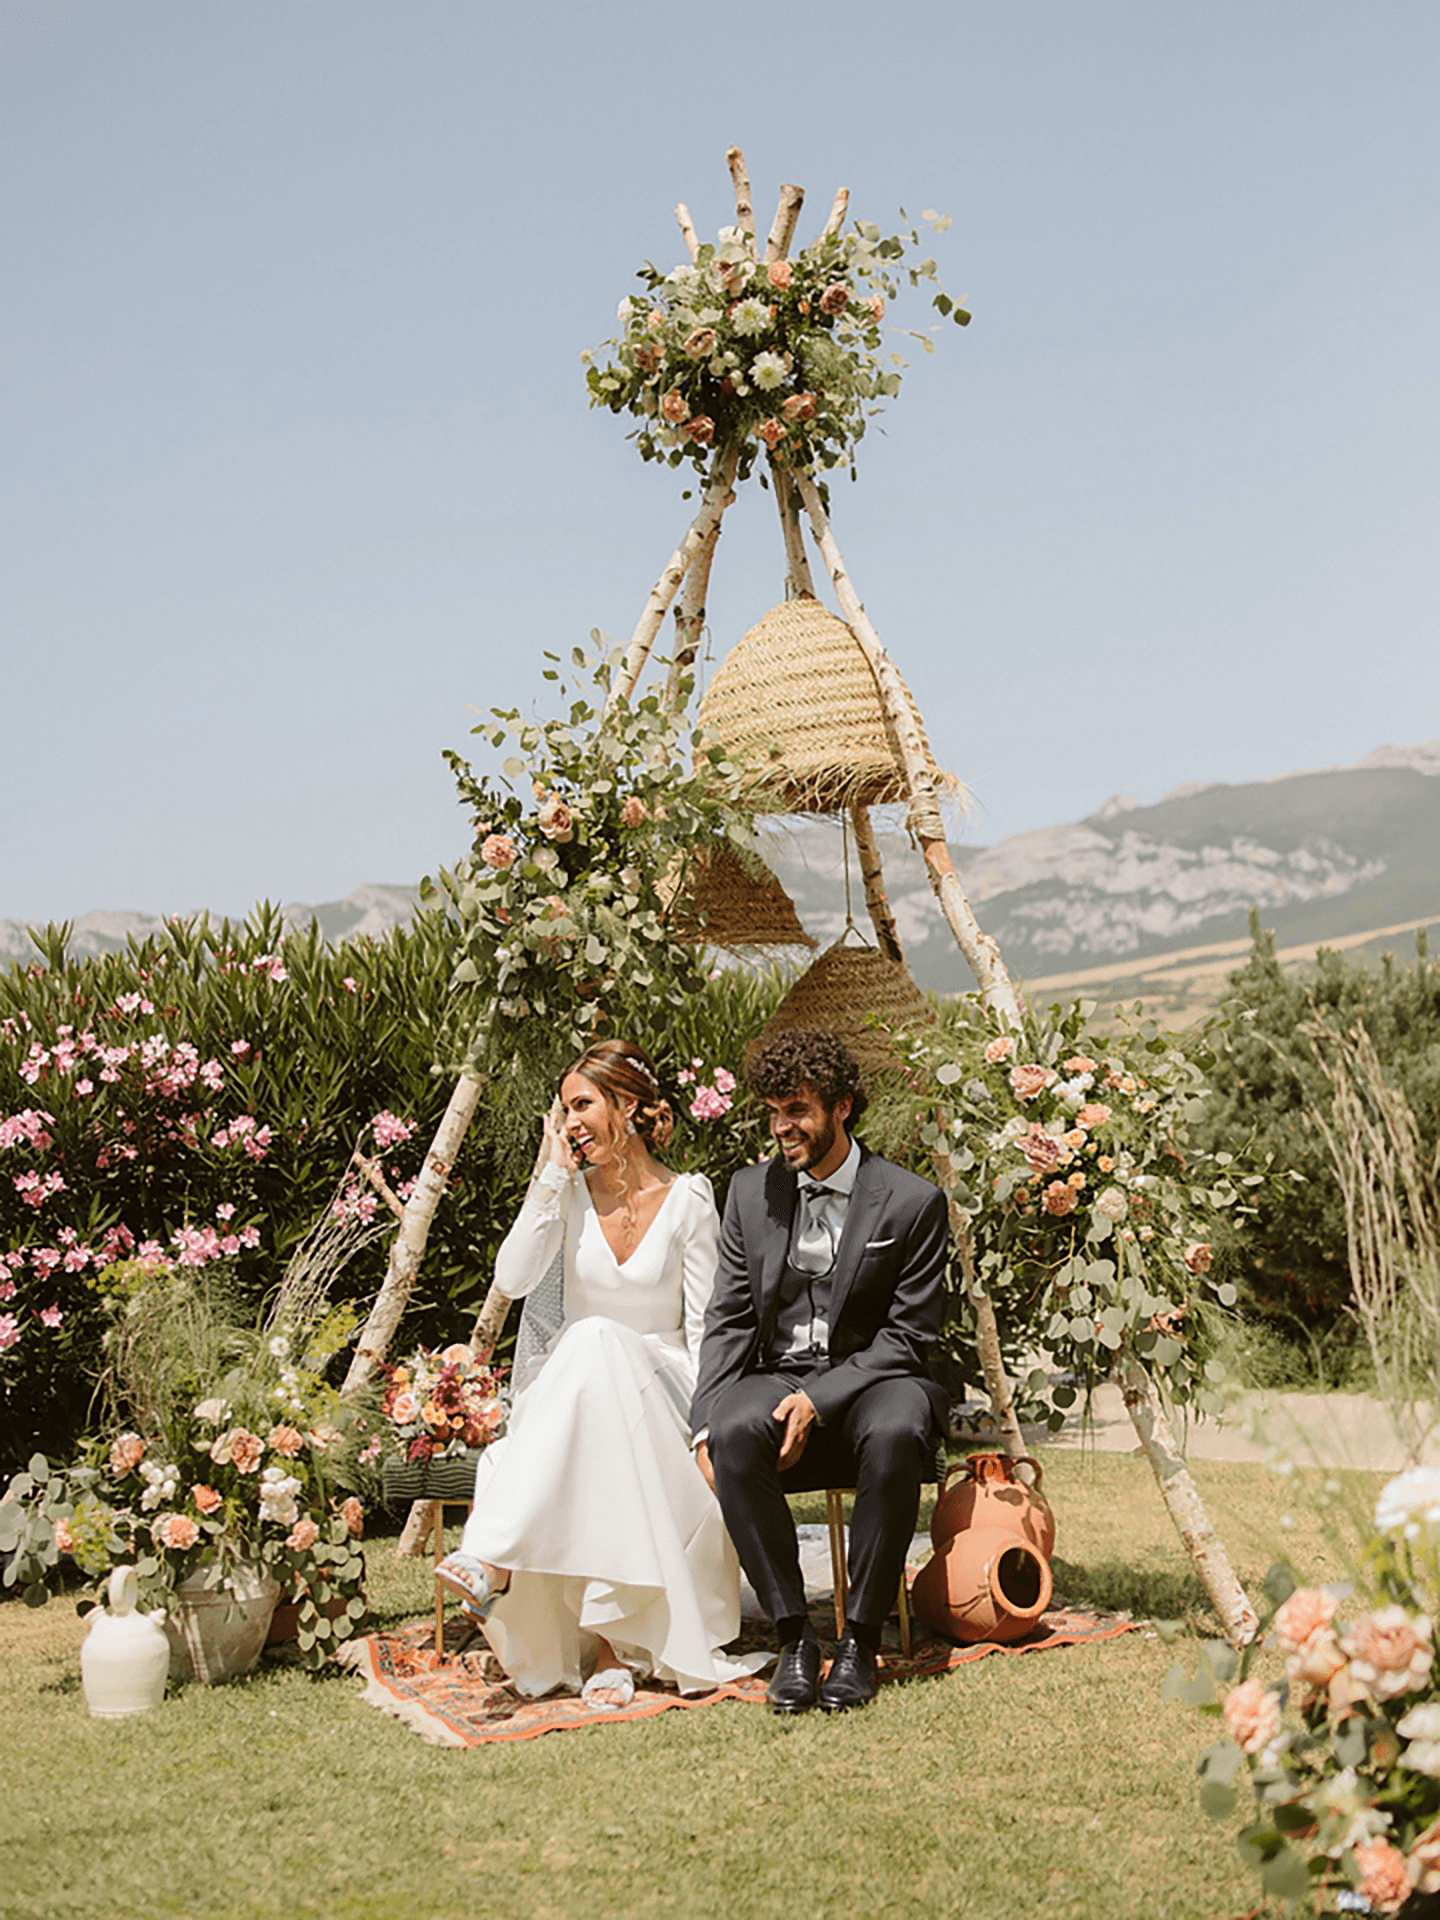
{"x":442,"y":1403}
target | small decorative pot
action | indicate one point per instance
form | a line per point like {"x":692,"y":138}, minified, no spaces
{"x":217,"y":1632}
{"x":125,"y":1658}
{"x":989,"y":1576}
{"x":452,"y":1478}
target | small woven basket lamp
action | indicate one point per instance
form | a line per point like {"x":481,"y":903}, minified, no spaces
{"x":858,"y":994}
{"x":733,"y":904}
{"x":796,"y":703}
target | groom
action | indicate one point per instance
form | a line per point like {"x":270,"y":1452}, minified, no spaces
{"x":812,"y":1369}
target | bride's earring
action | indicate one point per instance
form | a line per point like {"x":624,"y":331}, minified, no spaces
{"x":630,"y":1124}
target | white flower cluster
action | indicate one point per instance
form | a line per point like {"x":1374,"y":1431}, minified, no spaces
{"x":1410,"y":1505}
{"x":161,"y":1485}
{"x":1071,"y":1093}
{"x":279,"y":1493}
{"x":289,"y":1392}
{"x":1421,"y":1726}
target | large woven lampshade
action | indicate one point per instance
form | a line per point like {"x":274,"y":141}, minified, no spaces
{"x":796,"y":702}
{"x":728,"y":903}
{"x":846,"y":989}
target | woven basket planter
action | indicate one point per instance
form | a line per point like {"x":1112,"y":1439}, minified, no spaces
{"x":449,"y":1479}
{"x":796,"y":703}
{"x":848,"y":989}
{"x":727,"y":904}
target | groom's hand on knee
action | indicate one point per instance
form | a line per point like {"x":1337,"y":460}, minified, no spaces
{"x":799,"y":1416}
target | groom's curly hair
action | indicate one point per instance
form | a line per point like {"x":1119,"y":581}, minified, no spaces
{"x":808,"y":1057}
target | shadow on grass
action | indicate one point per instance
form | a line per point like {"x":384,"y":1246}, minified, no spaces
{"x":1118,"y":1587}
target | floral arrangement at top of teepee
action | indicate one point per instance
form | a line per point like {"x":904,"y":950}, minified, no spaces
{"x":728,"y":350}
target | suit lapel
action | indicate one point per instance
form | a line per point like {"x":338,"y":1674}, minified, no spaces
{"x":866,"y":1199}
{"x":780,"y":1191}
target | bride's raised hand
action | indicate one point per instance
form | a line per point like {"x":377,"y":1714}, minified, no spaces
{"x":556,"y":1147}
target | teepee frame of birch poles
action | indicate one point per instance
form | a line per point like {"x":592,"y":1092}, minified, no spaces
{"x":688,"y":568}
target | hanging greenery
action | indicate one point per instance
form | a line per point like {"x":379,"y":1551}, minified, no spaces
{"x":789,"y":353}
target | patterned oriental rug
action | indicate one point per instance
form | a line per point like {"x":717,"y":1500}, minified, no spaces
{"x":462,"y":1699}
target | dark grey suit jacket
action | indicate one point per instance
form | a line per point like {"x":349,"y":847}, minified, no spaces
{"x":885,"y":1290}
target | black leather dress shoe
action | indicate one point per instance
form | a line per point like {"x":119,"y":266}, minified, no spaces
{"x":852,"y":1680}
{"x":797,"y":1675}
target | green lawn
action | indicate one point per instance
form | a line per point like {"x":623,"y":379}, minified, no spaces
{"x":1054,"y":1784}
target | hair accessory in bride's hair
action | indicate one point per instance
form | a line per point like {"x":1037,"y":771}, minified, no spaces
{"x":643,"y":1069}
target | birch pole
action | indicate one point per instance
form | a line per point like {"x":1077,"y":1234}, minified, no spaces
{"x":836,"y":218}
{"x":687,"y":228}
{"x":408,"y":1248}
{"x":690,"y":618}
{"x":1142,"y":1398}
{"x":744,"y":204}
{"x":792,"y":199}
{"x":873,"y":880}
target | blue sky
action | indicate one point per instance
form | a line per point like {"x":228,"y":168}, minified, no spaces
{"x":299,"y":468}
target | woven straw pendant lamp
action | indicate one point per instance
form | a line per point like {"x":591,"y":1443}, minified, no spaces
{"x":796,"y":702}
{"x":730,"y":903}
{"x":848,"y":989}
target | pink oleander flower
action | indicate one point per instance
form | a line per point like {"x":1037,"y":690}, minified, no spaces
{"x":286,"y":1441}
{"x":1093,"y":1115}
{"x":709,"y":1104}
{"x":1390,"y":1651}
{"x":499,"y":851}
{"x":675,"y":407}
{"x":634,"y":813}
{"x":1000,"y":1049}
{"x":353,"y":1514}
{"x":1042,"y":1151}
{"x":303,"y":1535}
{"x":1199,"y":1257}
{"x":1252,"y":1715}
{"x":555,"y":819}
{"x":52,"y":1316}
{"x":1026,"y":1081}
{"x":9,"y":1331}
{"x":798,"y":408}
{"x":700,"y":430}
{"x":175,"y":1530}
{"x":700,"y":346}
{"x":126,"y":1453}
{"x":206,"y":1498}
{"x":1058,"y":1198}
{"x":389,"y":1130}
{"x":780,"y":273}
{"x":835,"y":298}
{"x":1385,"y":1884}
{"x":725,"y":1082}
{"x":1304,"y":1613}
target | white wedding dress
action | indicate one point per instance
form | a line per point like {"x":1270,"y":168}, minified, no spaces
{"x":593,"y":1498}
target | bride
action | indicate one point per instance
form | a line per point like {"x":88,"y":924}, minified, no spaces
{"x":594,"y":1537}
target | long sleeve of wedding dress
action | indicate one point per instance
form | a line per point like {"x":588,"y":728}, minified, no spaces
{"x":593,"y":1499}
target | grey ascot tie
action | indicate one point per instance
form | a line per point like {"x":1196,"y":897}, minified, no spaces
{"x":818,"y":1237}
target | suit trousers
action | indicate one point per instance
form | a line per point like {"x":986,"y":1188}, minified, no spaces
{"x":881,"y":1445}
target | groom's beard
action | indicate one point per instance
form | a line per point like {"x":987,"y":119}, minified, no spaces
{"x":812,"y":1147}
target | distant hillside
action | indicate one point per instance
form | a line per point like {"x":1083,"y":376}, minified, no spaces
{"x":367,"y":909}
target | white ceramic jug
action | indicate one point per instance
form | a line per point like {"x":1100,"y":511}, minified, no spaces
{"x":125,"y":1657}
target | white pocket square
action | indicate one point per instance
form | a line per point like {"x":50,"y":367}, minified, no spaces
{"x":872,"y":1245}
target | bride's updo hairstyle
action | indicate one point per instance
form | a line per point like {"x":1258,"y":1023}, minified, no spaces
{"x":623,"y":1072}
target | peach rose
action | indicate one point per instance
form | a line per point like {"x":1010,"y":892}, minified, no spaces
{"x":303,"y":1535}
{"x":700,"y":430}
{"x":1252,"y":1715}
{"x":1027,"y":1081}
{"x":1080,"y":1063}
{"x":780,"y":273}
{"x":239,"y":1448}
{"x":499,"y":851}
{"x":1112,"y":1204}
{"x":649,"y":359}
{"x":353,"y":1514}
{"x":205,"y":1498}
{"x":1198,"y":1257}
{"x":701,"y":343}
{"x":1390,"y":1651}
{"x":835,"y":298}
{"x":1317,"y":1666}
{"x":556,"y":820}
{"x":771,"y":432}
{"x":176,"y":1530}
{"x":655,"y":320}
{"x":1386,"y":1884}
{"x":1075,"y":1139}
{"x":1093,"y":1115}
{"x":1305,"y":1612}
{"x":286,"y":1441}
{"x":126,"y":1454}
{"x":1058,"y":1198}
{"x":1422,"y":1864}
{"x":1000,"y":1049}
{"x":877,"y":307}
{"x":404,"y":1408}
{"x":800,"y":406}
{"x":675,"y":406}
{"x":634,"y":813}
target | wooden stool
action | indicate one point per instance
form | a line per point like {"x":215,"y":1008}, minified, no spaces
{"x":835,"y":1498}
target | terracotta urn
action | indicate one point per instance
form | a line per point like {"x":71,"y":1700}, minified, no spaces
{"x":989,"y":1576}
{"x":125,"y":1657}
